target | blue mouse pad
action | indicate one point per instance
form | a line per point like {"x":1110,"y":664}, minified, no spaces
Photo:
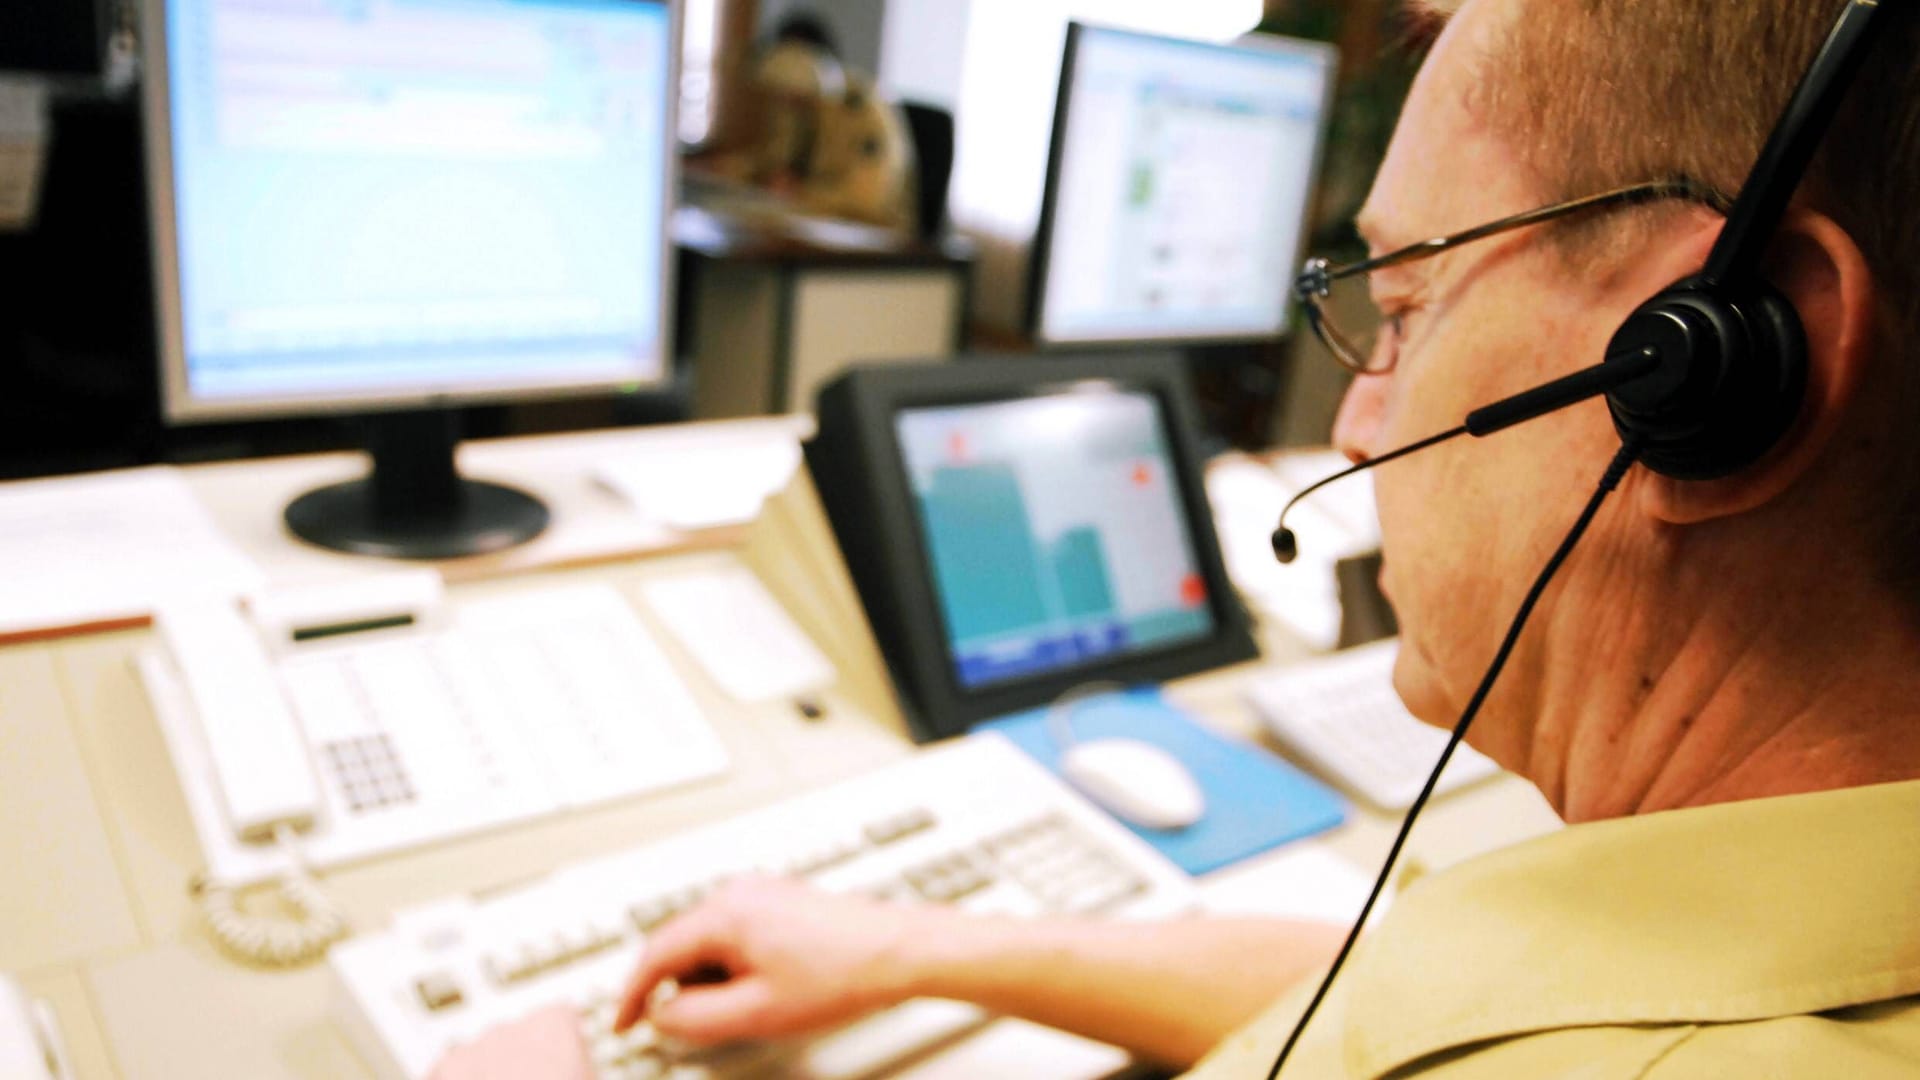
{"x":1255,"y":801}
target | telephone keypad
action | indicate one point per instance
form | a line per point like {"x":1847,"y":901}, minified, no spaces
{"x":369,"y":772}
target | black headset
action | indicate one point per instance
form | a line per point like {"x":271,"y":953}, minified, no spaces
{"x":1702,"y":380}
{"x":1732,"y":366}
{"x":1708,"y":375}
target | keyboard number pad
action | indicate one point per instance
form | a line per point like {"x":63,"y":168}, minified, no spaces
{"x":1067,"y":870}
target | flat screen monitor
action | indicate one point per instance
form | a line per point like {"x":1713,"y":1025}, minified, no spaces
{"x":1054,"y":530}
{"x":1020,"y":527}
{"x":1178,"y":189}
{"x":373,"y":205}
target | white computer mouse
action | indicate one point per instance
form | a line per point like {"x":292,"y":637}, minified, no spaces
{"x":1135,"y":781}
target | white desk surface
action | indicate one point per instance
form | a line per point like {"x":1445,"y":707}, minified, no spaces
{"x":96,"y":917}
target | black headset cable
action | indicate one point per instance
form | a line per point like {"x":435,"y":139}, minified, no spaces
{"x":1622,"y":461}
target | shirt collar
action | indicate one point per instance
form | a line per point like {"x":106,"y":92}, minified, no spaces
{"x":1739,"y":911}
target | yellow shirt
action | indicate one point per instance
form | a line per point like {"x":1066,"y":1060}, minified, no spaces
{"x":1765,"y":939}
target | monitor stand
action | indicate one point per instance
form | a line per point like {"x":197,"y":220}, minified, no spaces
{"x":415,"y":504}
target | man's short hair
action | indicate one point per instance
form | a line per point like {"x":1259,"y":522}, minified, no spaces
{"x":1602,"y":93}
{"x":1596,"y":94}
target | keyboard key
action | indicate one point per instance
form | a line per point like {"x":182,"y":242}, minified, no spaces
{"x":1342,"y":715}
{"x":438,"y":991}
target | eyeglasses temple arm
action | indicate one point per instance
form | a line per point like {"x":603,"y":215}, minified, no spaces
{"x":1649,"y":192}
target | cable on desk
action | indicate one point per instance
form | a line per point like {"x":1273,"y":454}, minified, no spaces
{"x":270,"y":941}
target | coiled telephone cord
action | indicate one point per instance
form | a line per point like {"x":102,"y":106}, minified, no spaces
{"x":269,"y":940}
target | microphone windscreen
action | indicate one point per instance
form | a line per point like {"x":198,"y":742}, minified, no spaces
{"x":1286,"y":547}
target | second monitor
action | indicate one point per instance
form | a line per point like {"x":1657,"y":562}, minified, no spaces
{"x":1178,"y":188}
{"x":1054,"y":530}
{"x":1019,"y":527}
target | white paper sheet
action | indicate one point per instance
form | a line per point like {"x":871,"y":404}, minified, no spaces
{"x":702,"y":485}
{"x":1300,"y":881}
{"x":90,"y":549}
{"x":1246,"y":496}
{"x":739,"y":634}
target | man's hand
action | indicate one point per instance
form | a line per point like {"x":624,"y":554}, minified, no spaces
{"x":765,"y":958}
{"x":545,"y":1044}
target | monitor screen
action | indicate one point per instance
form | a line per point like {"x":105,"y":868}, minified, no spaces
{"x":409,"y":200}
{"x":1179,"y":187}
{"x":1055,"y":531}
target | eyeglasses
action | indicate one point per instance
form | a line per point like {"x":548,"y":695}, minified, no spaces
{"x":1374,"y":352}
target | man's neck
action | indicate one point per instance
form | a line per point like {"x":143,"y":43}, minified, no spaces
{"x":1735,"y":703}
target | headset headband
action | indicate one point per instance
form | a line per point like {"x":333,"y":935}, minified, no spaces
{"x":1735,"y":259}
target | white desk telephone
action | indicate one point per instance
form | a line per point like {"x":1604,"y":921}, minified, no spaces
{"x":340,"y":723}
{"x":30,"y":1045}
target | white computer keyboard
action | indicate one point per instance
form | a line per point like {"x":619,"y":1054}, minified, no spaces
{"x":973,"y":822}
{"x":521,"y":706}
{"x":1341,"y":714}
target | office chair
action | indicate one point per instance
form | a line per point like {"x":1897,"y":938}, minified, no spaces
{"x":932,"y":131}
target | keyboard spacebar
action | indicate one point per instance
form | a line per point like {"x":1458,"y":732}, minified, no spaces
{"x":885,"y":1040}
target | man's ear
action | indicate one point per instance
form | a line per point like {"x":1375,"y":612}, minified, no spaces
{"x":1823,"y":274}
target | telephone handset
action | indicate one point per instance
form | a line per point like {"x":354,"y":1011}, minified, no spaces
{"x":30,"y":1044}
{"x":260,"y":776}
{"x":258,"y":758}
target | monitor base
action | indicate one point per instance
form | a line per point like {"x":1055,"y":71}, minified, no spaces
{"x":490,"y":518}
{"x":415,"y":504}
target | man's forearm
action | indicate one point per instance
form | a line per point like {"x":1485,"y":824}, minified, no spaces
{"x":1167,"y":990}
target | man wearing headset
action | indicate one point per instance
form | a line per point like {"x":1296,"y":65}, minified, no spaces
{"x":1720,"y":693}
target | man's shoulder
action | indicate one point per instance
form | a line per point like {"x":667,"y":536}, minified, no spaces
{"x":1877,"y":1042}
{"x":1867,"y":1042}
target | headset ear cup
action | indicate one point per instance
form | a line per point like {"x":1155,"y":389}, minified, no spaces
{"x":1731,"y":381}
{"x":1780,"y":384}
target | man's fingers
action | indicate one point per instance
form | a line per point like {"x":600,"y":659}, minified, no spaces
{"x":695,"y":941}
{"x":716,"y":1014}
